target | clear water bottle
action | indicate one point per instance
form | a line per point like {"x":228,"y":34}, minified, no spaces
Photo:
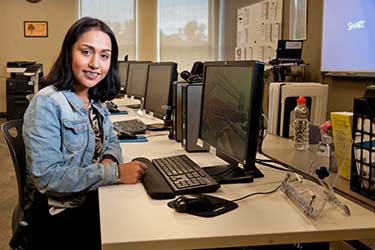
{"x":301,"y":124}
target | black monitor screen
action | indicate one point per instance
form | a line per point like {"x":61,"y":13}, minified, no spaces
{"x":137,"y":79}
{"x":289,"y":49}
{"x":159,"y":86}
{"x":231,"y":109}
{"x":123,"y":73}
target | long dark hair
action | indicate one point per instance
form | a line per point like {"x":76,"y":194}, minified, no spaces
{"x":61,"y":75}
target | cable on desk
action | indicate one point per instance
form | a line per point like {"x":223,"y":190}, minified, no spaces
{"x":262,"y":132}
{"x":257,"y":193}
{"x":249,"y":195}
{"x":288,"y":168}
{"x":267,"y":163}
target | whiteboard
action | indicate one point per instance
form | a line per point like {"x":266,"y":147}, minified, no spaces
{"x":258,"y":30}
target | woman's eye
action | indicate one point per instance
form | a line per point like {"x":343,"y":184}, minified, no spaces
{"x":86,"y":52}
{"x":105,"y":56}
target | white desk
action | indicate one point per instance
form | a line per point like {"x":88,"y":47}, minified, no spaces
{"x":133,"y":113}
{"x":132,"y":220}
{"x":122,"y":102}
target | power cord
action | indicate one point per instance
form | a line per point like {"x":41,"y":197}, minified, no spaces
{"x":249,"y":195}
{"x":257,"y":193}
{"x":268,"y":163}
{"x":262,"y":132}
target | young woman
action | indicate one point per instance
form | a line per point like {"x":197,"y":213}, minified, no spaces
{"x":71,"y":148}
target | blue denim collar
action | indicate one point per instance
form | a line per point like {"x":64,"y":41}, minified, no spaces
{"x":77,"y":104}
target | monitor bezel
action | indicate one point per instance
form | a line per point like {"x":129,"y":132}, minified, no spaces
{"x":254,"y":113}
{"x":286,"y":51}
{"x":136,"y":96}
{"x":173,"y":77}
{"x":123,"y":86}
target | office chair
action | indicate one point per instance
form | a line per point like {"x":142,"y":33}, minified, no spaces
{"x":29,"y":97}
{"x":12,"y":132}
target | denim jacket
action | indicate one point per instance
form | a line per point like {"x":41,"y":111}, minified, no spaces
{"x":59,"y":143}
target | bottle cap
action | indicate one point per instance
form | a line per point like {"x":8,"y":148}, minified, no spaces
{"x":301,"y":100}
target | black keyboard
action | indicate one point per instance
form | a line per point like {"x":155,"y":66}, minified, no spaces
{"x":134,"y":126}
{"x":175,"y":175}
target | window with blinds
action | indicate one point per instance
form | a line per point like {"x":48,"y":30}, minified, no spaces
{"x":120,"y":16}
{"x":184,"y":28}
{"x":184,"y":31}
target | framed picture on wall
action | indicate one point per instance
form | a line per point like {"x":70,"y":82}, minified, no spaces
{"x":35,"y":28}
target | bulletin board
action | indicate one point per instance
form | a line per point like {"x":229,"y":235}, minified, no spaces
{"x":258,"y":30}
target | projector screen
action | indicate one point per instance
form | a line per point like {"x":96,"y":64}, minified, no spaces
{"x":348,"y":36}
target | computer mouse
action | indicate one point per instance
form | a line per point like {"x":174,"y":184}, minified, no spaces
{"x":112,"y":107}
{"x":192,"y":203}
{"x":126,"y":135}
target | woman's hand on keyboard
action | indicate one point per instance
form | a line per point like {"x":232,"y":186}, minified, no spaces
{"x":131,"y":172}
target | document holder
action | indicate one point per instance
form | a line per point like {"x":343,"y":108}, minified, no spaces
{"x":312,"y":192}
{"x":362,"y":179}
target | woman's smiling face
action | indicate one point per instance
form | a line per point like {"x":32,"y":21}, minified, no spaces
{"x":91,"y":58}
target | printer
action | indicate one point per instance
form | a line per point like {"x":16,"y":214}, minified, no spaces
{"x":22,"y":83}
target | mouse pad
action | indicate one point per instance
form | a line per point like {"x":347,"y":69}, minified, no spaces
{"x":140,"y":138}
{"x":124,"y":112}
{"x":220,"y":206}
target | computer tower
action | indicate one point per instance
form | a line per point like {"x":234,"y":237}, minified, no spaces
{"x":191,"y":100}
{"x":177,"y":110}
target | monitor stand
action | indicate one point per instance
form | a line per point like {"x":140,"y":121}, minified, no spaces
{"x":167,"y":125}
{"x":232,"y":174}
{"x":157,"y":127}
{"x":134,"y":106}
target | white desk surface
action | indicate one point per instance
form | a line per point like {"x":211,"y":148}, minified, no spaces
{"x":122,"y":102}
{"x":130,"y":219}
{"x":133,"y":113}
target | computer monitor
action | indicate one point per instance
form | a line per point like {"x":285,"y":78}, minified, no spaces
{"x":158,"y":98}
{"x":289,"y":50}
{"x":137,"y":79}
{"x":122,"y":67}
{"x":230,"y":117}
